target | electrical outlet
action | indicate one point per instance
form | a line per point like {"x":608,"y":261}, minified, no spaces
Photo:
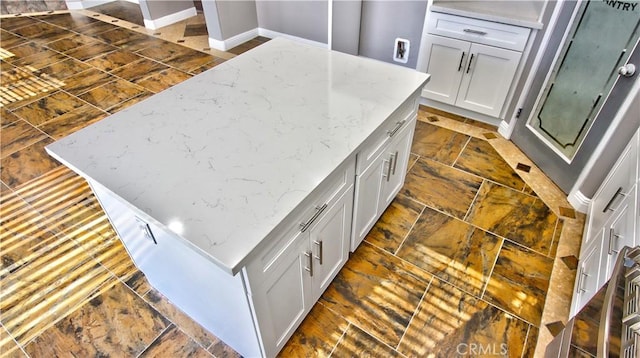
{"x":401,"y":50}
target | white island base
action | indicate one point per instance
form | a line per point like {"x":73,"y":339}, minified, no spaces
{"x":240,"y":192}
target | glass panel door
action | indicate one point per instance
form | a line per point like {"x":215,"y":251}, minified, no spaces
{"x":600,"y":41}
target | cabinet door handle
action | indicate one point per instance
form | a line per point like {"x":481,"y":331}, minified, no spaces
{"x":581,"y":280}
{"x":608,"y":207}
{"x":319,"y":210}
{"x":475,"y":32}
{"x":461,"y":59}
{"x":392,"y":132}
{"x":395,"y":163}
{"x":388,"y":175}
{"x":309,"y":269}
{"x":319,"y":257}
{"x":470,"y":60}
{"x":612,"y":236}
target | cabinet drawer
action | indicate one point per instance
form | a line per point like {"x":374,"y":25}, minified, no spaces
{"x":479,"y":31}
{"x":287,"y":232}
{"x":376,"y":143}
{"x":618,"y":185}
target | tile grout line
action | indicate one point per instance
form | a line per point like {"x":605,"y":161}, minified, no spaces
{"x":395,"y":253}
{"x":415,"y":313}
{"x":465,"y":218}
{"x":166,"y":329}
{"x":495,"y":261}
{"x":340,"y":339}
{"x":461,"y":151}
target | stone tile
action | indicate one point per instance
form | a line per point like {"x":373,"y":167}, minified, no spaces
{"x":72,"y":42}
{"x":166,"y":52}
{"x":8,"y":347}
{"x":515,"y":216}
{"x":10,"y":40}
{"x":111,"y":94}
{"x":48,"y":107}
{"x":124,"y":10}
{"x":317,"y":335}
{"x":138,"y":282}
{"x":95,"y":28}
{"x":27,"y":164}
{"x":523,"y":167}
{"x":65,"y":68}
{"x":174,"y":343}
{"x":86,"y":52}
{"x":567,"y":212}
{"x":13,"y":23}
{"x":441,"y":187}
{"x":42,"y":32}
{"x":195,"y":30}
{"x":374,"y":291}
{"x":190,"y":61}
{"x":179,"y":318}
{"x":163,"y":80}
{"x":87,"y":80}
{"x":441,"y":113}
{"x":7,"y":117}
{"x":129,"y":102}
{"x":220,"y":349}
{"x":449,"y":321}
{"x":479,"y":158}
{"x":26,"y":49}
{"x":4,"y":189}
{"x":114,"y":60}
{"x":489,"y":135}
{"x":18,"y":135}
{"x":72,"y":20}
{"x":553,"y":250}
{"x":413,"y":158}
{"x":139,"y":70}
{"x":532,"y":340}
{"x":96,"y":328}
{"x":528,"y":190}
{"x":72,"y":121}
{"x":207,"y":66}
{"x":519,"y":282}
{"x":40,"y":60}
{"x":482,"y":125}
{"x":452,"y":250}
{"x":395,"y":223}
{"x":128,"y":39}
{"x":437,"y":143}
{"x":358,"y":343}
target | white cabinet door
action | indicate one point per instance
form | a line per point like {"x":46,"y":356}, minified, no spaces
{"x":447,"y":60}
{"x":487,"y":78}
{"x":283,"y":298}
{"x":329,"y":240}
{"x":587,"y":282}
{"x":399,"y":158}
{"x":367,"y":198}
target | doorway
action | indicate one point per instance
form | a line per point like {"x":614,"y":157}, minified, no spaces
{"x":579,"y":87}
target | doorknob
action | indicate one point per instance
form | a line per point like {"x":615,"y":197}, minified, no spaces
{"x":627,"y":70}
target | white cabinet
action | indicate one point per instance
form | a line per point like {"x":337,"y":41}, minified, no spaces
{"x":380,"y":182}
{"x":612,"y":223}
{"x":472,"y":62}
{"x":291,"y":274}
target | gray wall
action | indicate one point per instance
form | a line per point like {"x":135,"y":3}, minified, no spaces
{"x":306,"y":19}
{"x":153,"y":10}
{"x":212,"y":19}
{"x":236,"y":17}
{"x":345,"y":32}
{"x":383,"y":21}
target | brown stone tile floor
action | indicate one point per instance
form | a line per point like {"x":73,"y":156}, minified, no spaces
{"x":470,"y":252}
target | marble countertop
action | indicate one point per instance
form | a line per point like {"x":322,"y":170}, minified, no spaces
{"x":229,"y":153}
{"x":514,"y":12}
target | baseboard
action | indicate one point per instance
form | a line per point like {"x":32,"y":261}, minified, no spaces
{"x":273,"y":34}
{"x":85,"y":4}
{"x":579,"y":201}
{"x":224,"y":45}
{"x":505,"y":129}
{"x":170,"y":19}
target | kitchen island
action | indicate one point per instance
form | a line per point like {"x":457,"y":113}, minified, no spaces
{"x":240,"y":191}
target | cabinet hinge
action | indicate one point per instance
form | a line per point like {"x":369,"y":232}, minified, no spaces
{"x":519,"y":112}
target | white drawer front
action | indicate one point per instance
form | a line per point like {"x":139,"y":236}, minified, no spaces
{"x":479,"y":31}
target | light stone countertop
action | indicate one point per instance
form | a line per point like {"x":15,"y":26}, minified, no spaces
{"x":232,"y":151}
{"x":524,"y":13}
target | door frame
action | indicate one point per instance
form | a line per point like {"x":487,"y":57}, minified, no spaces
{"x":603,"y":122}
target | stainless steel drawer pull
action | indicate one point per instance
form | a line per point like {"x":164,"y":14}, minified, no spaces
{"x":581,"y":281}
{"x":392,"y":132}
{"x":475,"y":32}
{"x":319,"y":210}
{"x":309,"y":269}
{"x":319,"y":257}
{"x":388,"y":175}
{"x":395,"y":163}
{"x":610,"y":203}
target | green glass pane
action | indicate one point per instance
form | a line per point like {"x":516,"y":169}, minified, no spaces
{"x":602,"y":38}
